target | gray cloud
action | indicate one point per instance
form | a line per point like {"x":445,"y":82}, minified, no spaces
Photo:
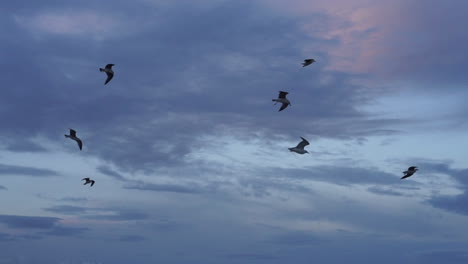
{"x":132,"y":238}
{"x":251,"y":256}
{"x":66,"y":209}
{"x":23,"y":145}
{"x":340,"y":175}
{"x":6,"y":237}
{"x":453,"y":203}
{"x":65,"y":231}
{"x":25,"y":171}
{"x":164,"y":188}
{"x":123,"y":215}
{"x":250,"y":58}
{"x":112,"y":214}
{"x":28,"y":222}
{"x":297,"y":239}
{"x":46,"y":225}
{"x":444,"y":256}
{"x":109,"y":172}
{"x":384,"y":191}
{"x":74,"y":199}
{"x":3,"y":188}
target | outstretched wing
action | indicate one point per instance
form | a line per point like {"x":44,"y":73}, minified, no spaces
{"x":85,"y":179}
{"x":282,"y":95}
{"x":405,"y":176}
{"x":412,"y":168}
{"x":80,"y":143}
{"x":92,"y":182}
{"x":303,"y":143}
{"x":109,"y":66}
{"x":283,"y":106}
{"x":72,"y":133}
{"x":110,"y":75}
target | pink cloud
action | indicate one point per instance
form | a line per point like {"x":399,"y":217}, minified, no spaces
{"x":364,"y":29}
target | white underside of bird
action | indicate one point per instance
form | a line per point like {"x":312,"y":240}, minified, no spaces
{"x":298,"y":150}
{"x":281,"y":100}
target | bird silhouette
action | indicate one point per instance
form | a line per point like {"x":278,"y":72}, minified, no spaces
{"x":74,"y":137}
{"x":88,"y":180}
{"x":408,"y":173}
{"x":108,"y":70}
{"x":300,"y":147}
{"x":283,"y":100}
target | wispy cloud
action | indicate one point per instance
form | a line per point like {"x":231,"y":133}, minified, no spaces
{"x":26,"y":171}
{"x":83,"y":23}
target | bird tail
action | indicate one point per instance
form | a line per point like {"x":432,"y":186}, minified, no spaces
{"x":290,"y":149}
{"x":67,"y":136}
{"x":101,"y":69}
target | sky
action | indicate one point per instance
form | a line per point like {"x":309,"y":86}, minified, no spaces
{"x":189,"y":154}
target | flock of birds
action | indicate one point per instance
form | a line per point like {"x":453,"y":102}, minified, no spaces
{"x":299,"y":149}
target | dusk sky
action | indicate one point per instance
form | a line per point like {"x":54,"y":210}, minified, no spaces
{"x":189,"y":154}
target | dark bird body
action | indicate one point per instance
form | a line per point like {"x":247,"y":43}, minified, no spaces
{"x":307,"y":62}
{"x":408,"y":173}
{"x":300,"y":147}
{"x":74,"y":137}
{"x":108,"y":70}
{"x":283,"y":100}
{"x":88,"y":180}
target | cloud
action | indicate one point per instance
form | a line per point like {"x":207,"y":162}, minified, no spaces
{"x":101,"y":213}
{"x":3,"y":188}
{"x":384,"y":191}
{"x":444,"y":256}
{"x":6,"y":237}
{"x":454,"y":203}
{"x":340,"y":175}
{"x":297,"y":239}
{"x":26,"y":171}
{"x":28,"y":222}
{"x":17,"y":145}
{"x":46,"y":225}
{"x":248,"y":57}
{"x":119,"y":215}
{"x":109,"y":172}
{"x":64,"y":231}
{"x":251,"y":256}
{"x":66,"y":209}
{"x":193,"y":189}
{"x":132,"y":238}
{"x":79,"y":23}
{"x":74,"y":199}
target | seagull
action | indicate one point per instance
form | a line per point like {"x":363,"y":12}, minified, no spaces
{"x":108,"y":70}
{"x":282,"y":99}
{"x":88,"y":180}
{"x":300,"y":147}
{"x":307,"y":62}
{"x":74,"y":137}
{"x":411,"y":170}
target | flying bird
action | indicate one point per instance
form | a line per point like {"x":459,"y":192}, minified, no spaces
{"x":88,"y":180}
{"x":307,"y":62}
{"x":411,"y":170}
{"x":74,"y":137}
{"x":300,"y":147}
{"x":108,"y":70}
{"x":282,"y":99}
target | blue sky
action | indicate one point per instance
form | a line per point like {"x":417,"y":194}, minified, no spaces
{"x":189,"y":154}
